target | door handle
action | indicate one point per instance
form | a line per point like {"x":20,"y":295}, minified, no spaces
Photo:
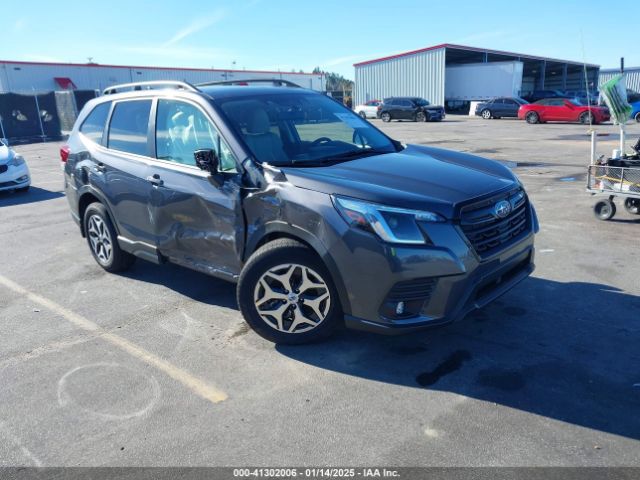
{"x":100,"y":167}
{"x":155,"y":180}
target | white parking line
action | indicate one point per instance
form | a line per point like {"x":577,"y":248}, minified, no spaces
{"x":193,"y":383}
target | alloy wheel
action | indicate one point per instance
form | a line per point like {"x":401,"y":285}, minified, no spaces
{"x":100,"y":239}
{"x":486,"y":114}
{"x":292,"y":298}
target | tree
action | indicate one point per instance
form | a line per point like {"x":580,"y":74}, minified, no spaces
{"x":335,"y":81}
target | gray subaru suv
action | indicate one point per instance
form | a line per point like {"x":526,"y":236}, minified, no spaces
{"x":317,"y":216}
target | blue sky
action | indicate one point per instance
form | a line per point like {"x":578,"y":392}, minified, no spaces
{"x":299,"y":34}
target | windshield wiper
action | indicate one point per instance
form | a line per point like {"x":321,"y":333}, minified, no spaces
{"x":350,"y":155}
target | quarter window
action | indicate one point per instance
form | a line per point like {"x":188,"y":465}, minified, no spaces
{"x":182,"y":128}
{"x":93,"y":125}
{"x":129,"y":126}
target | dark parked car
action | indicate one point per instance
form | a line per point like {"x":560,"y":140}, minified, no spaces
{"x":500,"y":107}
{"x":542,"y":94}
{"x":409,"y":108}
{"x":318,"y":216}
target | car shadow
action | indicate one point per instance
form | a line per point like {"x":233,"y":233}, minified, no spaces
{"x":33,"y":195}
{"x":194,"y":285}
{"x":565,"y":351}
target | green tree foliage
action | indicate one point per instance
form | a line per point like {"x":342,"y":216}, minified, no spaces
{"x":335,"y":81}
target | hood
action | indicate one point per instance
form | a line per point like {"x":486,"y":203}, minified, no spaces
{"x":433,"y":107}
{"x":5,"y":154}
{"x":421,"y":178}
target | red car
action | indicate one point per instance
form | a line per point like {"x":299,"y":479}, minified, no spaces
{"x":562,"y":110}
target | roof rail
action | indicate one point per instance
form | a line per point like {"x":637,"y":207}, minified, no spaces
{"x":278,"y":82}
{"x":150,"y":85}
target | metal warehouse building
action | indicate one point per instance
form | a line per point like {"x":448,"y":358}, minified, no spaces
{"x":23,"y":77}
{"x":632,"y":77}
{"x":457,"y":74}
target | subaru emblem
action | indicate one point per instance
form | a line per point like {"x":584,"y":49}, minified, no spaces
{"x":502,"y":209}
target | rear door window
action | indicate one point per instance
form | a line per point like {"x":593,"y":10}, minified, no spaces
{"x":93,"y":125}
{"x":129,"y":127}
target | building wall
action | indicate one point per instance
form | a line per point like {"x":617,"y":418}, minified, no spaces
{"x":632,"y":77}
{"x":422,"y":75}
{"x":27,"y":77}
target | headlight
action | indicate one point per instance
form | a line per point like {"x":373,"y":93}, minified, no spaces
{"x":394,"y":225}
{"x":17,"y":161}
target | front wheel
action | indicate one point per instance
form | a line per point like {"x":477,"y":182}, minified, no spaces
{"x":102,"y":239}
{"x":604,"y":210}
{"x":637,"y":117}
{"x":285,"y":293}
{"x":486,"y":114}
{"x":420,"y":117}
{"x":586,"y":118}
{"x":386,"y":117}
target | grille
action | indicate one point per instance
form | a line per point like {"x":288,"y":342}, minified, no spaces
{"x":488,"y":233}
{"x":3,"y":168}
{"x":417,"y":289}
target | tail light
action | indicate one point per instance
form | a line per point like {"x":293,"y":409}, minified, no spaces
{"x":64,"y":153}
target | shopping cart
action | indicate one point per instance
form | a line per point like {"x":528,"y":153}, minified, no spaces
{"x":623,"y":182}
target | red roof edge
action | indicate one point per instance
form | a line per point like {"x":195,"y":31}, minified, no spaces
{"x":474,"y":49}
{"x":59,"y":64}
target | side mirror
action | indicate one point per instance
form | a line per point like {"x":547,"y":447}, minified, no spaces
{"x":206,"y":160}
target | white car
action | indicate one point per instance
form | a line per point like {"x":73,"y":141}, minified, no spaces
{"x":14,"y":172}
{"x":368,"y":109}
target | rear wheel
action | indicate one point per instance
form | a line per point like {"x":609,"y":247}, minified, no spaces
{"x":532,"y":117}
{"x":363,"y":114}
{"x":103,"y":240}
{"x":604,"y":210}
{"x":286,"y":294}
{"x":486,"y":114}
{"x":632,"y":205}
{"x":637,"y":117}
{"x":386,"y":117}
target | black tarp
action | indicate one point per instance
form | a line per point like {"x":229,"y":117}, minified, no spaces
{"x":19,"y":114}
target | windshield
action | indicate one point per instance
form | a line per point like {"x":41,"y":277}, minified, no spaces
{"x":421,"y":102}
{"x":301,"y":129}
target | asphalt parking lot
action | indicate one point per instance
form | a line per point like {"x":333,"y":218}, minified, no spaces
{"x":157,"y":367}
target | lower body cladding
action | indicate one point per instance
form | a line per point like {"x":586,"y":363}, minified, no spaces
{"x":398,"y":289}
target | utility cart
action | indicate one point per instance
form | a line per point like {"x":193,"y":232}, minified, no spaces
{"x":612,"y":181}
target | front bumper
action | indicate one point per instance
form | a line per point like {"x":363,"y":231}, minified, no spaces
{"x":15,"y":177}
{"x":462,"y":280}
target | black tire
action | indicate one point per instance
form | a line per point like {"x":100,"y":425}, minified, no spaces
{"x":532,"y":118}
{"x":586,"y":118}
{"x":118,"y":260}
{"x":632,"y":205}
{"x":604,"y":210}
{"x":385,"y":116}
{"x":270,"y":256}
{"x":637,"y":117}
{"x":363,"y":114}
{"x":486,"y":114}
{"x":420,"y":117}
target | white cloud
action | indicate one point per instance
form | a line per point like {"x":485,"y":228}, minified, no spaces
{"x":19,"y":25}
{"x":211,"y":55}
{"x":196,"y":26}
